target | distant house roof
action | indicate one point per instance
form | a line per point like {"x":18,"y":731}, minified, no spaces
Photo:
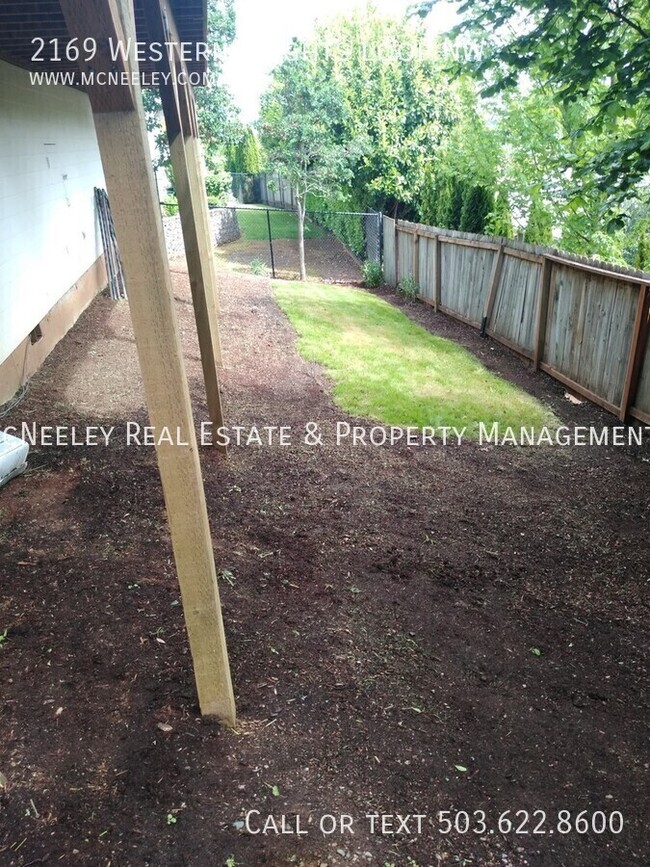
{"x":21,"y":21}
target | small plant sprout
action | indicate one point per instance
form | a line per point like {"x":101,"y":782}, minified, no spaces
{"x":408,"y":288}
{"x":372,"y":274}
{"x":535,"y":651}
{"x":171,"y":819}
{"x":3,"y":637}
{"x":259,"y":268}
{"x":227,"y":575}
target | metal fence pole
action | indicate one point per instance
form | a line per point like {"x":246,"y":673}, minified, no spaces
{"x":268,"y":222}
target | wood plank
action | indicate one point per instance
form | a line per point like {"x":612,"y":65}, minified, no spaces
{"x":495,"y":277}
{"x":101,"y":20}
{"x":510,"y":344}
{"x":594,"y":269}
{"x":181,"y":124}
{"x":397,"y":231}
{"x":575,"y":386}
{"x":522,"y":254}
{"x":640,"y":415}
{"x":637,"y":352}
{"x":455,"y":315}
{"x":437,"y":274}
{"x":463,"y":242}
{"x":124,"y":150}
{"x":416,"y":259}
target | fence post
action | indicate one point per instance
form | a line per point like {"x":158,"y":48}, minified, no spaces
{"x":416,"y":259}
{"x":543,"y":293}
{"x":268,"y":223}
{"x":437,"y":289}
{"x":396,"y":251}
{"x":492,"y":291}
{"x":637,"y":351}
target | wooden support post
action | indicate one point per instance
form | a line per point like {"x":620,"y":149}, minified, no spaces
{"x":182,"y":135}
{"x":396,"y":251}
{"x":437,"y":282}
{"x":124,"y":150}
{"x":541,"y":316}
{"x":416,"y":259}
{"x":637,"y":351}
{"x":495,"y":277}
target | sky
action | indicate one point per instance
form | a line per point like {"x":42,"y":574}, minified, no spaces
{"x":265,"y":29}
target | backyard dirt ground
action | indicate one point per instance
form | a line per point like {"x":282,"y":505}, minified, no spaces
{"x":410,"y":630}
{"x":326,"y":258}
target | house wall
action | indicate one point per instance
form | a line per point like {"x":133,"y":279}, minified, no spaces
{"x":50,"y":247}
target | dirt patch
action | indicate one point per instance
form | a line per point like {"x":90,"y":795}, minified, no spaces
{"x":381,"y":608}
{"x":327,"y":259}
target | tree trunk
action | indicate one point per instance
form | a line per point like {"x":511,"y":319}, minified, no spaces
{"x":300,"y":206}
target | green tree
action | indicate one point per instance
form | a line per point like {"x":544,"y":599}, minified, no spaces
{"x":478,"y":204}
{"x":302,"y":124}
{"x":595,"y":50}
{"x":243,"y":156}
{"x":642,"y":261}
{"x":499,"y":221}
{"x":458,"y":195}
{"x":539,"y":229}
{"x":444,"y":193}
{"x":216,"y":111}
{"x":399,"y":103}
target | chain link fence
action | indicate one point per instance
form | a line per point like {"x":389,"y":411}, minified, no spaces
{"x":336,"y":242}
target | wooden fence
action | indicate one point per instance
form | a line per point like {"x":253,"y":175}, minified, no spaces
{"x":275,"y":191}
{"x":583,"y":322}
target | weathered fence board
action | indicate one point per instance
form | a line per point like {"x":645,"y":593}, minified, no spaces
{"x":589,"y":330}
{"x":390,"y":275}
{"x":641,"y":406}
{"x":405,"y":257}
{"x":427,"y":276}
{"x":584,"y":322}
{"x":513,"y":314}
{"x":465,"y":276}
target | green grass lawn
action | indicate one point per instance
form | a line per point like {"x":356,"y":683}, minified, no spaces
{"x":385,"y":367}
{"x":284,"y":224}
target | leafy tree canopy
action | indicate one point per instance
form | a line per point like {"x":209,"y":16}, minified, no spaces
{"x":593,"y":50}
{"x":302,"y":127}
{"x":400,"y":104}
{"x":217,"y":114}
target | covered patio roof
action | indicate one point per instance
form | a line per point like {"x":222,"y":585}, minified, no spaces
{"x":22,"y":21}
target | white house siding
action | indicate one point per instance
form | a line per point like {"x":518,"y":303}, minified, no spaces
{"x":49,"y":165}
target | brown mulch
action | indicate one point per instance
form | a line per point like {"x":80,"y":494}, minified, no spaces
{"x":381,"y":607}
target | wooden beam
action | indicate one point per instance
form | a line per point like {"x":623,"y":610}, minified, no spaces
{"x":541,"y":315}
{"x":124,"y":150}
{"x":101,"y":20}
{"x":416,"y":260}
{"x":437,"y":279}
{"x":396,"y":251}
{"x":522,"y":254}
{"x":495,"y":277}
{"x":464,"y":242}
{"x":640,"y":415}
{"x":594,"y":269}
{"x":579,"y":389}
{"x":637,"y":352}
{"x":192,"y":205}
